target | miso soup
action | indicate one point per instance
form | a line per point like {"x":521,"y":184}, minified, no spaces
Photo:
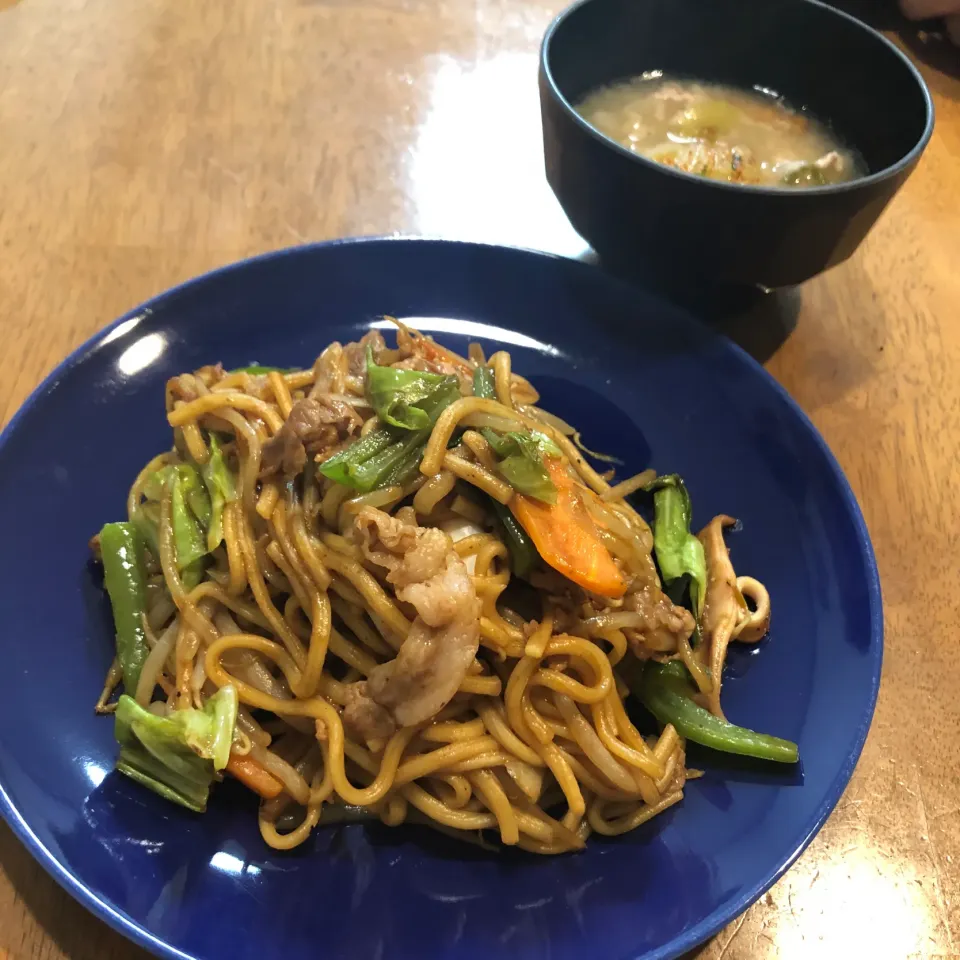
{"x":719,"y":132}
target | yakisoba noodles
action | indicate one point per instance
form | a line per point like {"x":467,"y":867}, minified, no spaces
{"x":392,"y":586}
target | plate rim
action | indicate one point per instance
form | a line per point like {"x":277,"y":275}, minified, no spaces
{"x":706,"y":927}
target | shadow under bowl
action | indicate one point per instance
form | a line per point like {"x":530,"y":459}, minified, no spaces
{"x":820,"y":59}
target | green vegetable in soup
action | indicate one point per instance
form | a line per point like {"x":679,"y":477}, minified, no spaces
{"x":704,"y":120}
{"x":809,"y":175}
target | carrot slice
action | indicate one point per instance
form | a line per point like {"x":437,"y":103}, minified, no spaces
{"x":434,"y":352}
{"x":566,"y":536}
{"x":252,"y":775}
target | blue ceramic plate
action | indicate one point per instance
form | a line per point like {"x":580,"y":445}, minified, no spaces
{"x":642,"y":381}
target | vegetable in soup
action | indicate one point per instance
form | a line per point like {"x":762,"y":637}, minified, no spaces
{"x":719,"y":132}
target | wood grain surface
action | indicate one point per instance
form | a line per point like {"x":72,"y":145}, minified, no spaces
{"x":145,"y":141}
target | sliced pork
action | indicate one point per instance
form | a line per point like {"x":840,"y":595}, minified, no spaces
{"x":315,"y":425}
{"x":426,"y":572}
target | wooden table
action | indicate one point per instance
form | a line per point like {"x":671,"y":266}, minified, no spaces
{"x":144,"y":142}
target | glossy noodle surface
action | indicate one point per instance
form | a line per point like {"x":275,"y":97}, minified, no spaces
{"x":389,"y":585}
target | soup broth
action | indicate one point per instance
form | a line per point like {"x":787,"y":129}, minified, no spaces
{"x":719,"y":132}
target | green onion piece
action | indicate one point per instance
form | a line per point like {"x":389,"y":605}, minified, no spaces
{"x":521,"y":454}
{"x":338,"y":467}
{"x":521,"y":463}
{"x":397,"y":395}
{"x":679,"y":552}
{"x":665,"y":690}
{"x":406,"y":466}
{"x":484,"y":385}
{"x":389,"y":455}
{"x":523,"y":554}
{"x":372,"y":474}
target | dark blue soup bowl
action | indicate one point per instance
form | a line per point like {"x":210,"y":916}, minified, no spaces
{"x":633,"y":210}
